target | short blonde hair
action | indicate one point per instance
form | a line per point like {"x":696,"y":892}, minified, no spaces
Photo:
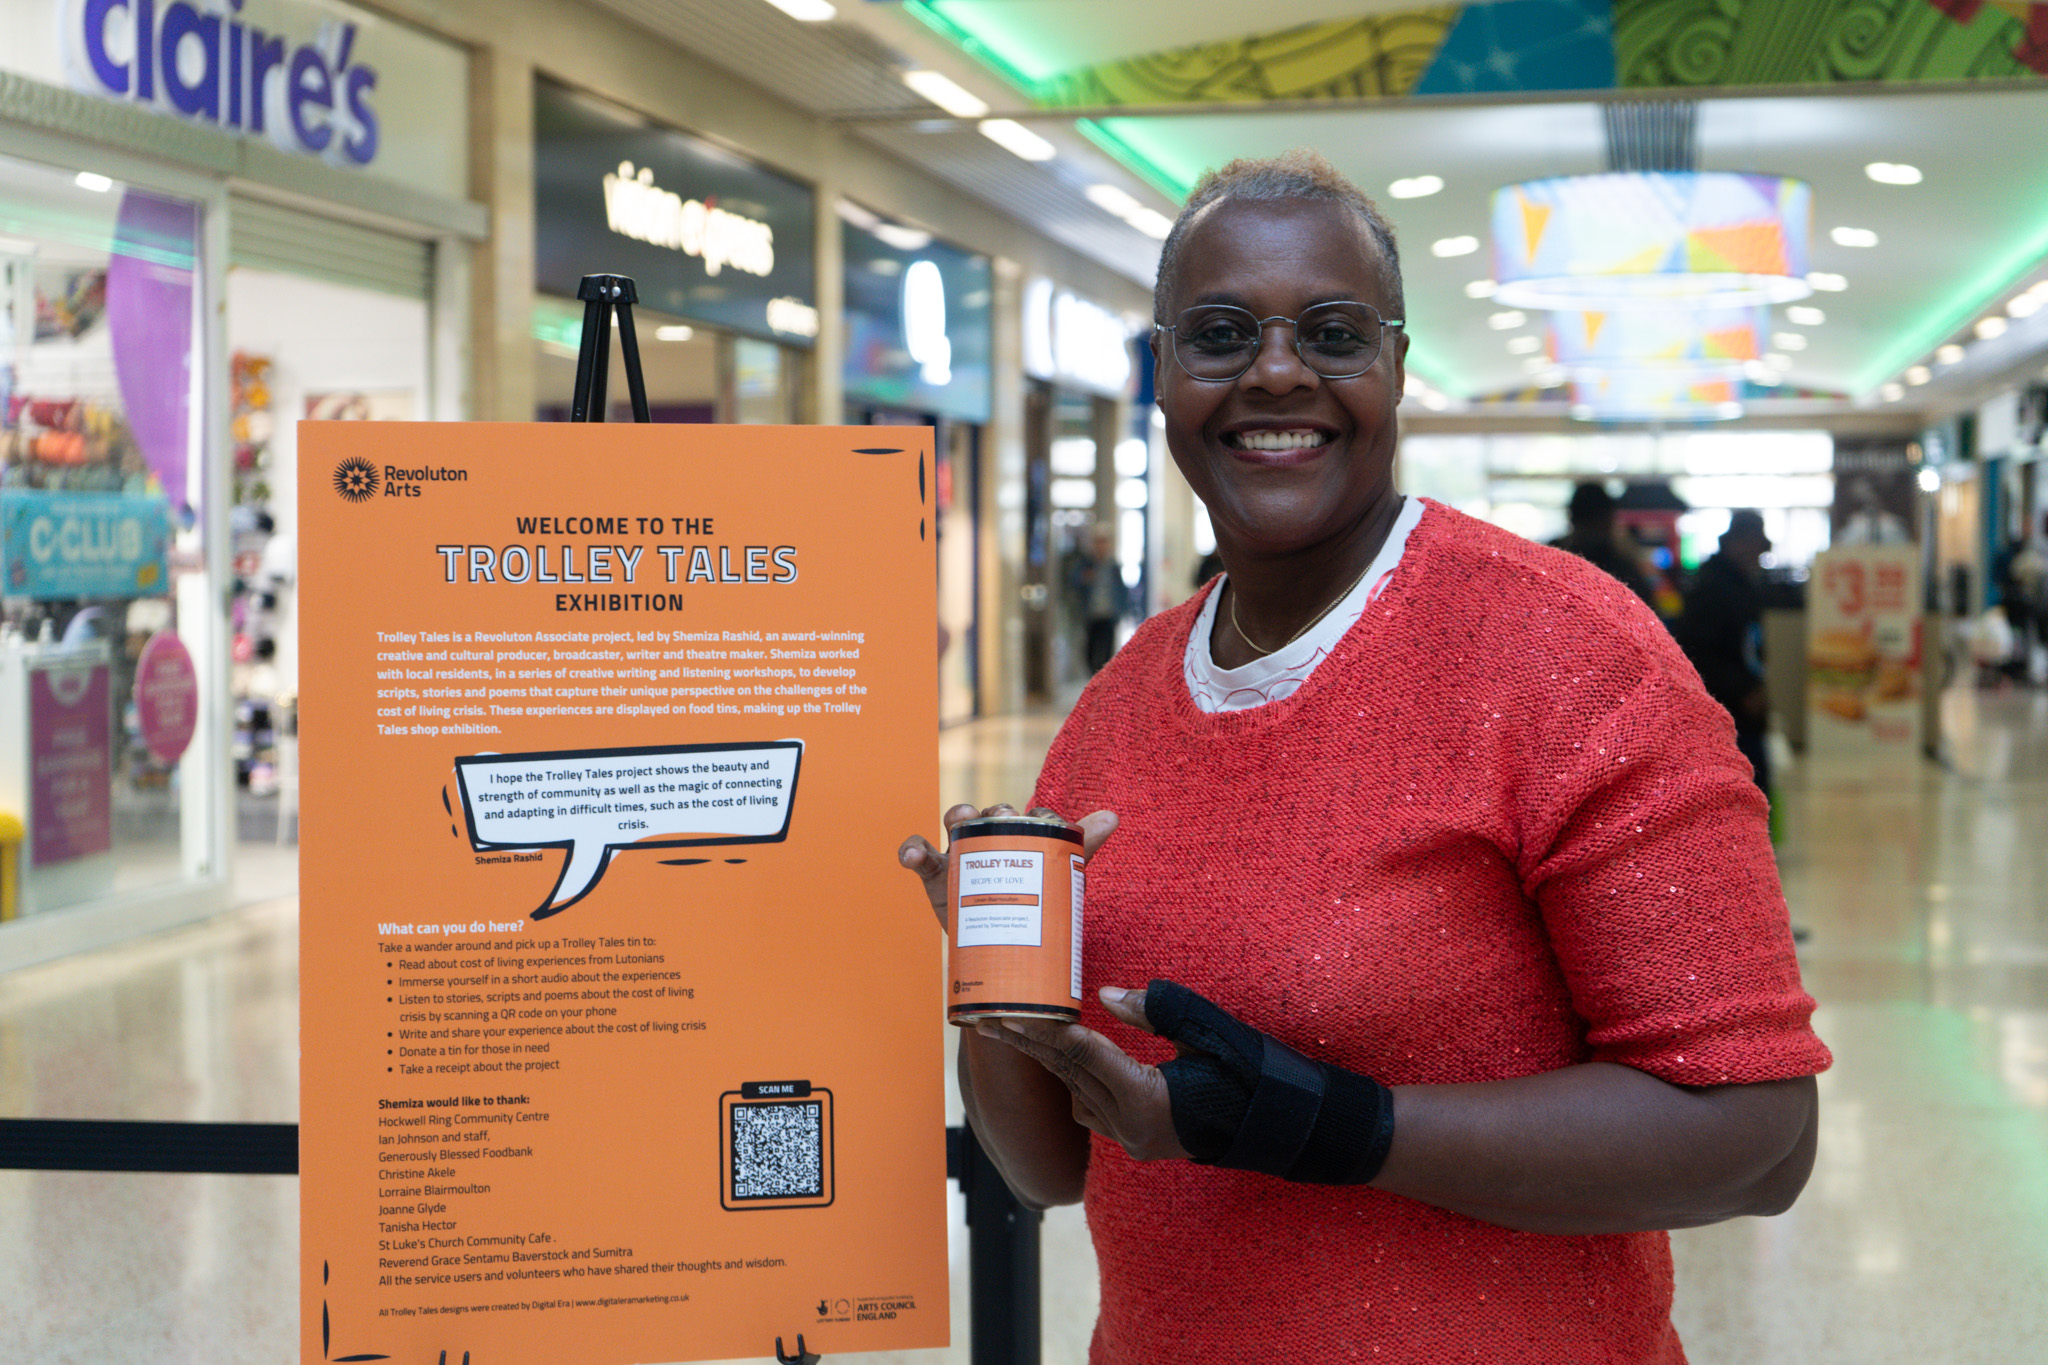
{"x":1300,"y":174}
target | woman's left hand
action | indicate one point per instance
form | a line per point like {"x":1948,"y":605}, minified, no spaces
{"x":1113,"y":1094}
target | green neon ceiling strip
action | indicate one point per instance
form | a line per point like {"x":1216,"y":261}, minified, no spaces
{"x":979,"y":40}
{"x":1424,"y":366}
{"x":1134,"y":161}
{"x":1940,"y":324}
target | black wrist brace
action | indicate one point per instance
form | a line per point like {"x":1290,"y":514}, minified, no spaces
{"x":1245,"y":1100}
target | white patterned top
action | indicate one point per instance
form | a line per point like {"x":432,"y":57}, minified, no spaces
{"x":1282,"y":672}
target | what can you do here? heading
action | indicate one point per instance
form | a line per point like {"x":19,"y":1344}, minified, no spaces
{"x":615,"y":562}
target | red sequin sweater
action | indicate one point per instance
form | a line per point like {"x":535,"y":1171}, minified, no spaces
{"x":1502,"y":829}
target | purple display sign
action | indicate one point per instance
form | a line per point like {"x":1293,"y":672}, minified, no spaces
{"x":150,"y":319}
{"x":166,"y":697}
{"x":71,"y":731}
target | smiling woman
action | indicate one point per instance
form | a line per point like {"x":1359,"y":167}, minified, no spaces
{"x":1469,"y":969}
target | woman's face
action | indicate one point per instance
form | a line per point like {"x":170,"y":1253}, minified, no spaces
{"x":1283,"y":458}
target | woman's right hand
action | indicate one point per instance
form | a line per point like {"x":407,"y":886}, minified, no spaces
{"x":929,"y":864}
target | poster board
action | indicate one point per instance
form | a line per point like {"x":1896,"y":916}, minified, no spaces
{"x":620,"y":1024}
{"x":1865,"y":661}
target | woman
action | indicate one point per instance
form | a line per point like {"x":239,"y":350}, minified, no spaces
{"x":1446,"y":873}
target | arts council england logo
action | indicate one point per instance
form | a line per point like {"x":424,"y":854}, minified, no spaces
{"x":356,"y":479}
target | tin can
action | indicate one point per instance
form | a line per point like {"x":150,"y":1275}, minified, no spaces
{"x":1013,"y":919}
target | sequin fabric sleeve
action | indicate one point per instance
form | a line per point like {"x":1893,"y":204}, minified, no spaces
{"x":1651,"y":863}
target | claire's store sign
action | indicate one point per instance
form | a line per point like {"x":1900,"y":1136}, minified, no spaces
{"x":309,"y":92}
{"x":316,"y":78}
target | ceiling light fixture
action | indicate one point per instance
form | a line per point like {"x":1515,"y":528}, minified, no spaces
{"x":1950,"y":354}
{"x":945,"y":92}
{"x":94,"y":181}
{"x":1918,"y":374}
{"x":673,"y":332}
{"x":1893,"y":173}
{"x":2023,"y":306}
{"x":1113,"y":199}
{"x":1929,"y":479}
{"x":1853,"y":236}
{"x":901,"y":237}
{"x":809,"y":11}
{"x":1804,"y":315}
{"x":1893,"y":392}
{"x":1479,"y":289}
{"x":1991,"y":328}
{"x":1416,"y":186}
{"x":1779,"y":359}
{"x":1827,"y":280}
{"x":1652,"y":240}
{"x":1508,"y":321}
{"x":1152,"y":223}
{"x":1015,"y":138}
{"x":1454,"y":246}
{"x":1788,"y":341}
{"x":1524,"y":345}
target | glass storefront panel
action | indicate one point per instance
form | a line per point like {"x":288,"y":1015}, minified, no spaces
{"x":105,"y":626}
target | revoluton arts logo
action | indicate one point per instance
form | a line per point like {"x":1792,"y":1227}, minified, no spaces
{"x":356,"y":479}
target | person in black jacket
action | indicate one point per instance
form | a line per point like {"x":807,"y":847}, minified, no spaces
{"x":1722,"y":633}
{"x":1596,"y":539}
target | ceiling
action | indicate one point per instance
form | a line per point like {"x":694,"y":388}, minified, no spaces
{"x":1525,"y":98}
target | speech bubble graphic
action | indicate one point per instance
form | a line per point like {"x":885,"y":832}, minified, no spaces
{"x":598,"y":802}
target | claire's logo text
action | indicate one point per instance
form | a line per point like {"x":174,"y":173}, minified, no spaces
{"x":202,"y":62}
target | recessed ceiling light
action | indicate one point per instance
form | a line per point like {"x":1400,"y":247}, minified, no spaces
{"x":1524,"y":345}
{"x":1536,"y":364}
{"x":1760,"y":373}
{"x":1015,"y":138}
{"x":1788,"y":341}
{"x":1919,"y":374}
{"x":1827,"y":280}
{"x":1416,"y":186}
{"x":1929,"y":479}
{"x":1508,"y":321}
{"x":943,"y":91}
{"x":92,"y":180}
{"x":1805,"y":315}
{"x":671,"y":332}
{"x":1990,"y":327}
{"x":810,"y":11}
{"x":1950,"y":354}
{"x":1892,"y":173}
{"x":901,"y":237}
{"x":2040,"y":289}
{"x":1780,"y":359}
{"x":1113,"y":199}
{"x":1893,"y":392}
{"x":1853,"y":236}
{"x":1454,"y":246}
{"x":1480,"y":289}
{"x":2023,"y":306}
{"x":1151,"y":222}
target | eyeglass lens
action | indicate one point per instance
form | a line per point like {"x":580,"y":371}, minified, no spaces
{"x":1336,"y":340}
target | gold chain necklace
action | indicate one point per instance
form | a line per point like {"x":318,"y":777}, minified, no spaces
{"x":1313,"y":622}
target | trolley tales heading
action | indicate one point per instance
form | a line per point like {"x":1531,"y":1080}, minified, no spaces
{"x":618,"y":562}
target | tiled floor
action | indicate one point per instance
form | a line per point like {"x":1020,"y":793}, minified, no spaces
{"x":1923,"y":1236}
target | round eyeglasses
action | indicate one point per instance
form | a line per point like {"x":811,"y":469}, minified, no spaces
{"x":1217,"y":343}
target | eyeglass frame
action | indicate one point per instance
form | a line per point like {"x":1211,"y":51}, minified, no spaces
{"x":1294,"y":324}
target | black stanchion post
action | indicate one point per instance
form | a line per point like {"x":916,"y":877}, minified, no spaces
{"x":1002,"y":1260}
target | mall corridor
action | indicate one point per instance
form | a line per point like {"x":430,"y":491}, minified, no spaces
{"x":1923,"y":1235}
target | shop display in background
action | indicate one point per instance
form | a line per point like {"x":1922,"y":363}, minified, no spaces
{"x":253,"y":614}
{"x":1865,"y":661}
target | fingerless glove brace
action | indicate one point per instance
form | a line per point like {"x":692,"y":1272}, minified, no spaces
{"x":1244,"y":1100}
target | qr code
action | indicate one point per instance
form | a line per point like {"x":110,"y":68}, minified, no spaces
{"x":778,"y":1150}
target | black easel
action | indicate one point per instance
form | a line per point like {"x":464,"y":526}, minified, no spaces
{"x":606,"y":297}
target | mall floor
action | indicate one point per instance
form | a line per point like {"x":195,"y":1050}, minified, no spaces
{"x":1922,"y":1237}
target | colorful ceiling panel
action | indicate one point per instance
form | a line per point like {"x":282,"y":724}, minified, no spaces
{"x":1532,"y":46}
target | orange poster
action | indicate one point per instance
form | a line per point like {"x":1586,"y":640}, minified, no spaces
{"x":620,"y":1034}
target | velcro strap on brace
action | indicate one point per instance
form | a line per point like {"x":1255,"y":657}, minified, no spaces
{"x":1244,"y":1100}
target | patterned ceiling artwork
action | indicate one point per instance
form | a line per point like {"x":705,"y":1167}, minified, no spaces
{"x":1557,"y":45}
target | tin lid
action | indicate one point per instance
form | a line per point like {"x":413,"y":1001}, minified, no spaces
{"x":1017,"y":826}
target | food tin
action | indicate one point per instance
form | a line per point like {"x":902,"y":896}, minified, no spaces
{"x":1013,"y":919}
